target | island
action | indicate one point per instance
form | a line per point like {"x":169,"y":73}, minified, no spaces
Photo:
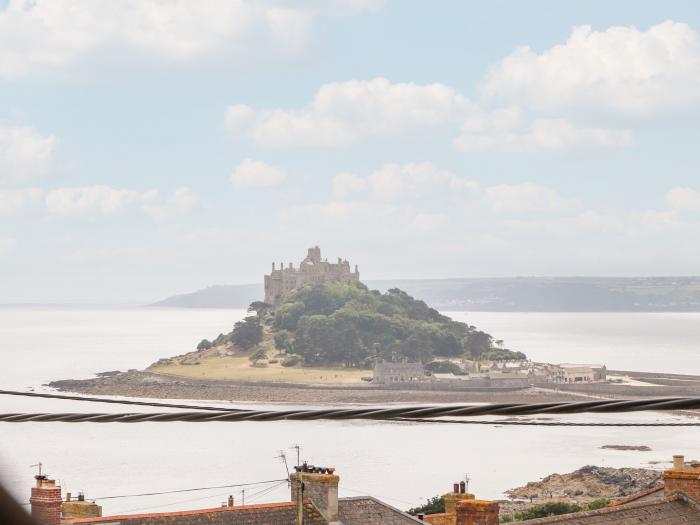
{"x":319,"y":335}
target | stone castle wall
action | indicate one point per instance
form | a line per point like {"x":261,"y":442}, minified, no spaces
{"x":311,"y":270}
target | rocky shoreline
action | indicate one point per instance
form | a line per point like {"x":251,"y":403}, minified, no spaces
{"x":161,"y":386}
{"x":136,"y":383}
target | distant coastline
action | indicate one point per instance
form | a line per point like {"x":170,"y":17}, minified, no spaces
{"x":516,"y":294}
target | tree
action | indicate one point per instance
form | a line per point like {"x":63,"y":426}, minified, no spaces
{"x":260,"y":308}
{"x":478,"y":343}
{"x":435,"y":505}
{"x":258,"y":355}
{"x":443,"y":367}
{"x":284,"y":341}
{"x":247,"y":333}
{"x":204,"y":344}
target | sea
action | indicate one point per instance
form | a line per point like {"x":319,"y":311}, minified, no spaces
{"x":122,"y":465}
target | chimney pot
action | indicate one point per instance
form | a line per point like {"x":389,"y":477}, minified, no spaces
{"x":462,"y":487}
{"x":678,"y":461}
{"x":455,"y":488}
{"x":68,"y":496}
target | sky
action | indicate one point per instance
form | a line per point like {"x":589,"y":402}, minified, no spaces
{"x":154,"y":147}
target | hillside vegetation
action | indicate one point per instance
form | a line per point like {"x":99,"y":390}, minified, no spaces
{"x":349,"y":325}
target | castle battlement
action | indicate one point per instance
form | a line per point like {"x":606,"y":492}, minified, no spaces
{"x":312,"y":269}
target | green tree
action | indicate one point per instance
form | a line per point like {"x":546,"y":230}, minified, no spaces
{"x":247,"y":333}
{"x":554,"y":508}
{"x":284,"y":341}
{"x":258,"y":355}
{"x":204,"y":344}
{"x":478,"y":343}
{"x":443,"y":367}
{"x":434,"y":505}
{"x":260,"y":308}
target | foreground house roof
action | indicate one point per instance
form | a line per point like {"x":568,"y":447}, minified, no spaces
{"x":352,"y":511}
{"x":675,"y":510}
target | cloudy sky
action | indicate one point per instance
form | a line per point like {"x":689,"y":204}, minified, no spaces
{"x":150,"y":147}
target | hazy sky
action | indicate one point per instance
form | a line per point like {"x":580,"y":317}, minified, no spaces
{"x":150,"y":147}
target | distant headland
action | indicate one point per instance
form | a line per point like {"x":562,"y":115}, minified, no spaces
{"x":507,"y":294}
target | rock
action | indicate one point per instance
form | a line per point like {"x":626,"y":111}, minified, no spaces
{"x":589,"y":483}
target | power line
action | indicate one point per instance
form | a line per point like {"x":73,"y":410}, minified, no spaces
{"x":410,"y":413}
{"x":192,"y":489}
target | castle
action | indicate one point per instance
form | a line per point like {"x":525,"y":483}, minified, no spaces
{"x":311,"y":270}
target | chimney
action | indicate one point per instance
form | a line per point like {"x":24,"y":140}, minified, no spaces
{"x":682,"y":479}
{"x":678,"y":462}
{"x":230,"y":501}
{"x":477,"y":512}
{"x":457,"y":495}
{"x":46,"y":501}
{"x":320,"y":485}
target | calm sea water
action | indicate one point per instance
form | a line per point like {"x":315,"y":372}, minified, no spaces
{"x":400,"y":463}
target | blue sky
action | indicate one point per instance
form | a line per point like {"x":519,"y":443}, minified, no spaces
{"x":151,"y":147}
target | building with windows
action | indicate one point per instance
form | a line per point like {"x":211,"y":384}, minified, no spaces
{"x":311,"y":270}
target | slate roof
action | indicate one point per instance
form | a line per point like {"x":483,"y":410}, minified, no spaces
{"x":676,"y":510}
{"x":654,"y":493}
{"x":370,"y":511}
{"x":352,"y":511}
{"x":264,"y":514}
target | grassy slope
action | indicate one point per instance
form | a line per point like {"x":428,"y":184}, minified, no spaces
{"x":238,"y":367}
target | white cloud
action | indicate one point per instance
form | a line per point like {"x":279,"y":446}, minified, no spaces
{"x":343,"y":113}
{"x":525,"y":198}
{"x":24,"y":152}
{"x":7,"y":244}
{"x":401,"y":181}
{"x":683,"y":198}
{"x":105,"y":200}
{"x":183,"y":200}
{"x":101,"y":199}
{"x":621,"y":68}
{"x":594,"y":223}
{"x":505,"y":130}
{"x":348,"y":184}
{"x":13,"y":201}
{"x":36,"y":35}
{"x":254,"y":174}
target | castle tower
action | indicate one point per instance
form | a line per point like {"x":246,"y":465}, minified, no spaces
{"x":314,"y":254}
{"x":312,"y":270}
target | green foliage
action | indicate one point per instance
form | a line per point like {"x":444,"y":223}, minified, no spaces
{"x":284,"y":341}
{"x":204,"y":344}
{"x":258,"y":355}
{"x":260,"y":308}
{"x":598,"y":504}
{"x":247,"y":333}
{"x":443,"y":367}
{"x":346,"y":323}
{"x":291,"y":361}
{"x":498,"y":354}
{"x":555,"y":508}
{"x":434,"y":505}
{"x":221,"y":339}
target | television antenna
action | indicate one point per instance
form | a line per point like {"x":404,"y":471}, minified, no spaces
{"x":298,"y":449}
{"x":37,"y":465}
{"x":283,"y":458}
{"x":467,"y":479}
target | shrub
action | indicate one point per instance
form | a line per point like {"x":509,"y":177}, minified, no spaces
{"x":291,"y":361}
